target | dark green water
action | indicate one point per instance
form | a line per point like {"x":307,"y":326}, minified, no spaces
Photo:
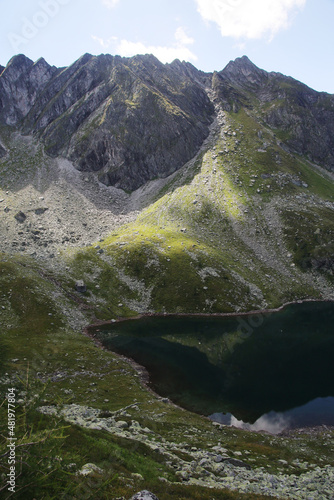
{"x":277,"y":367}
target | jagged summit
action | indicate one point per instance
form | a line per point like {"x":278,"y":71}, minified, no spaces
{"x":19,"y":60}
{"x":240,"y":62}
{"x":242,"y":71}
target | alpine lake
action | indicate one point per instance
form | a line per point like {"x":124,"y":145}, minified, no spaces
{"x":270,"y":371}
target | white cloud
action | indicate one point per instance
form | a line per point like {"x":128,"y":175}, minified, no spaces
{"x":182,"y":38}
{"x":271,"y":422}
{"x":110,"y":4}
{"x":178,"y":50}
{"x":250,"y":18}
{"x":104,"y":43}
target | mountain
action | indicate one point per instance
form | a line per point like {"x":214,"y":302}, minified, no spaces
{"x":134,"y":119}
{"x":130,"y":120}
{"x":221,"y":182}
{"x":302,"y":117}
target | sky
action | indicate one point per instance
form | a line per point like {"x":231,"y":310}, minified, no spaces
{"x":293,"y":37}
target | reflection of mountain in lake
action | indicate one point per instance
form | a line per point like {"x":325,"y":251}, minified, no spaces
{"x":320,"y":410}
{"x":283,"y":363}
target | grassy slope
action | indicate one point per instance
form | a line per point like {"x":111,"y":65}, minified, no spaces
{"x":218,"y":238}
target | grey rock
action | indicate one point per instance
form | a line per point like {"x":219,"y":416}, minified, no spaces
{"x":183,"y":475}
{"x":144,"y":495}
{"x":306,"y":115}
{"x":90,"y":470}
{"x":40,"y":211}
{"x":20,"y":217}
{"x":80,"y":286}
{"x":137,"y":476}
{"x":156,"y":121}
{"x":238,"y":463}
{"x":121,"y":424}
{"x":152,"y":117}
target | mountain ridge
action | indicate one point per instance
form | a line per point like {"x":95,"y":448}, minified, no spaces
{"x":134,"y":119}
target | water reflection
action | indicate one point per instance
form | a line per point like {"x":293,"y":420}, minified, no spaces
{"x":320,"y":410}
{"x":271,"y":422}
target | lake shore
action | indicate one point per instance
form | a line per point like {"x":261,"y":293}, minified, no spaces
{"x":256,"y":312}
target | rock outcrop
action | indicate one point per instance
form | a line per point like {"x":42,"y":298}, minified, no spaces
{"x":144,"y":495}
{"x":3,"y":152}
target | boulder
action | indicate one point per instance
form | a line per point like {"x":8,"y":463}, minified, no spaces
{"x":144,"y":495}
{"x":237,"y":463}
{"x":90,"y":470}
{"x":80,"y":286}
{"x":20,"y":217}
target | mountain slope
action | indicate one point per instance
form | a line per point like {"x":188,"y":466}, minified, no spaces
{"x":135,"y":119}
{"x":301,"y":117}
{"x":227,"y":235}
{"x":245,"y":224}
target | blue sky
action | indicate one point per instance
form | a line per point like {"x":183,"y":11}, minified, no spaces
{"x":294,"y":37}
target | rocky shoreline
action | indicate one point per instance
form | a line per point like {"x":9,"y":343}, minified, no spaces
{"x":217,"y":468}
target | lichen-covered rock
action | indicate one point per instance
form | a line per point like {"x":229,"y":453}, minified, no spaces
{"x":90,"y":470}
{"x":144,"y":495}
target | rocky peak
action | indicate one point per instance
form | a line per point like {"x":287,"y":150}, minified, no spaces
{"x":41,"y":72}
{"x":19,"y":62}
{"x":190,"y":71}
{"x":128,"y":119}
{"x":16,"y":69}
{"x":243,"y":72}
{"x":20,"y":84}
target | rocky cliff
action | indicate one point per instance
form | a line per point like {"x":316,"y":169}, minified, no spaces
{"x":131,"y":120}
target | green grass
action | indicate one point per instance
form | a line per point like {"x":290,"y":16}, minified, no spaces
{"x":310,"y":237}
